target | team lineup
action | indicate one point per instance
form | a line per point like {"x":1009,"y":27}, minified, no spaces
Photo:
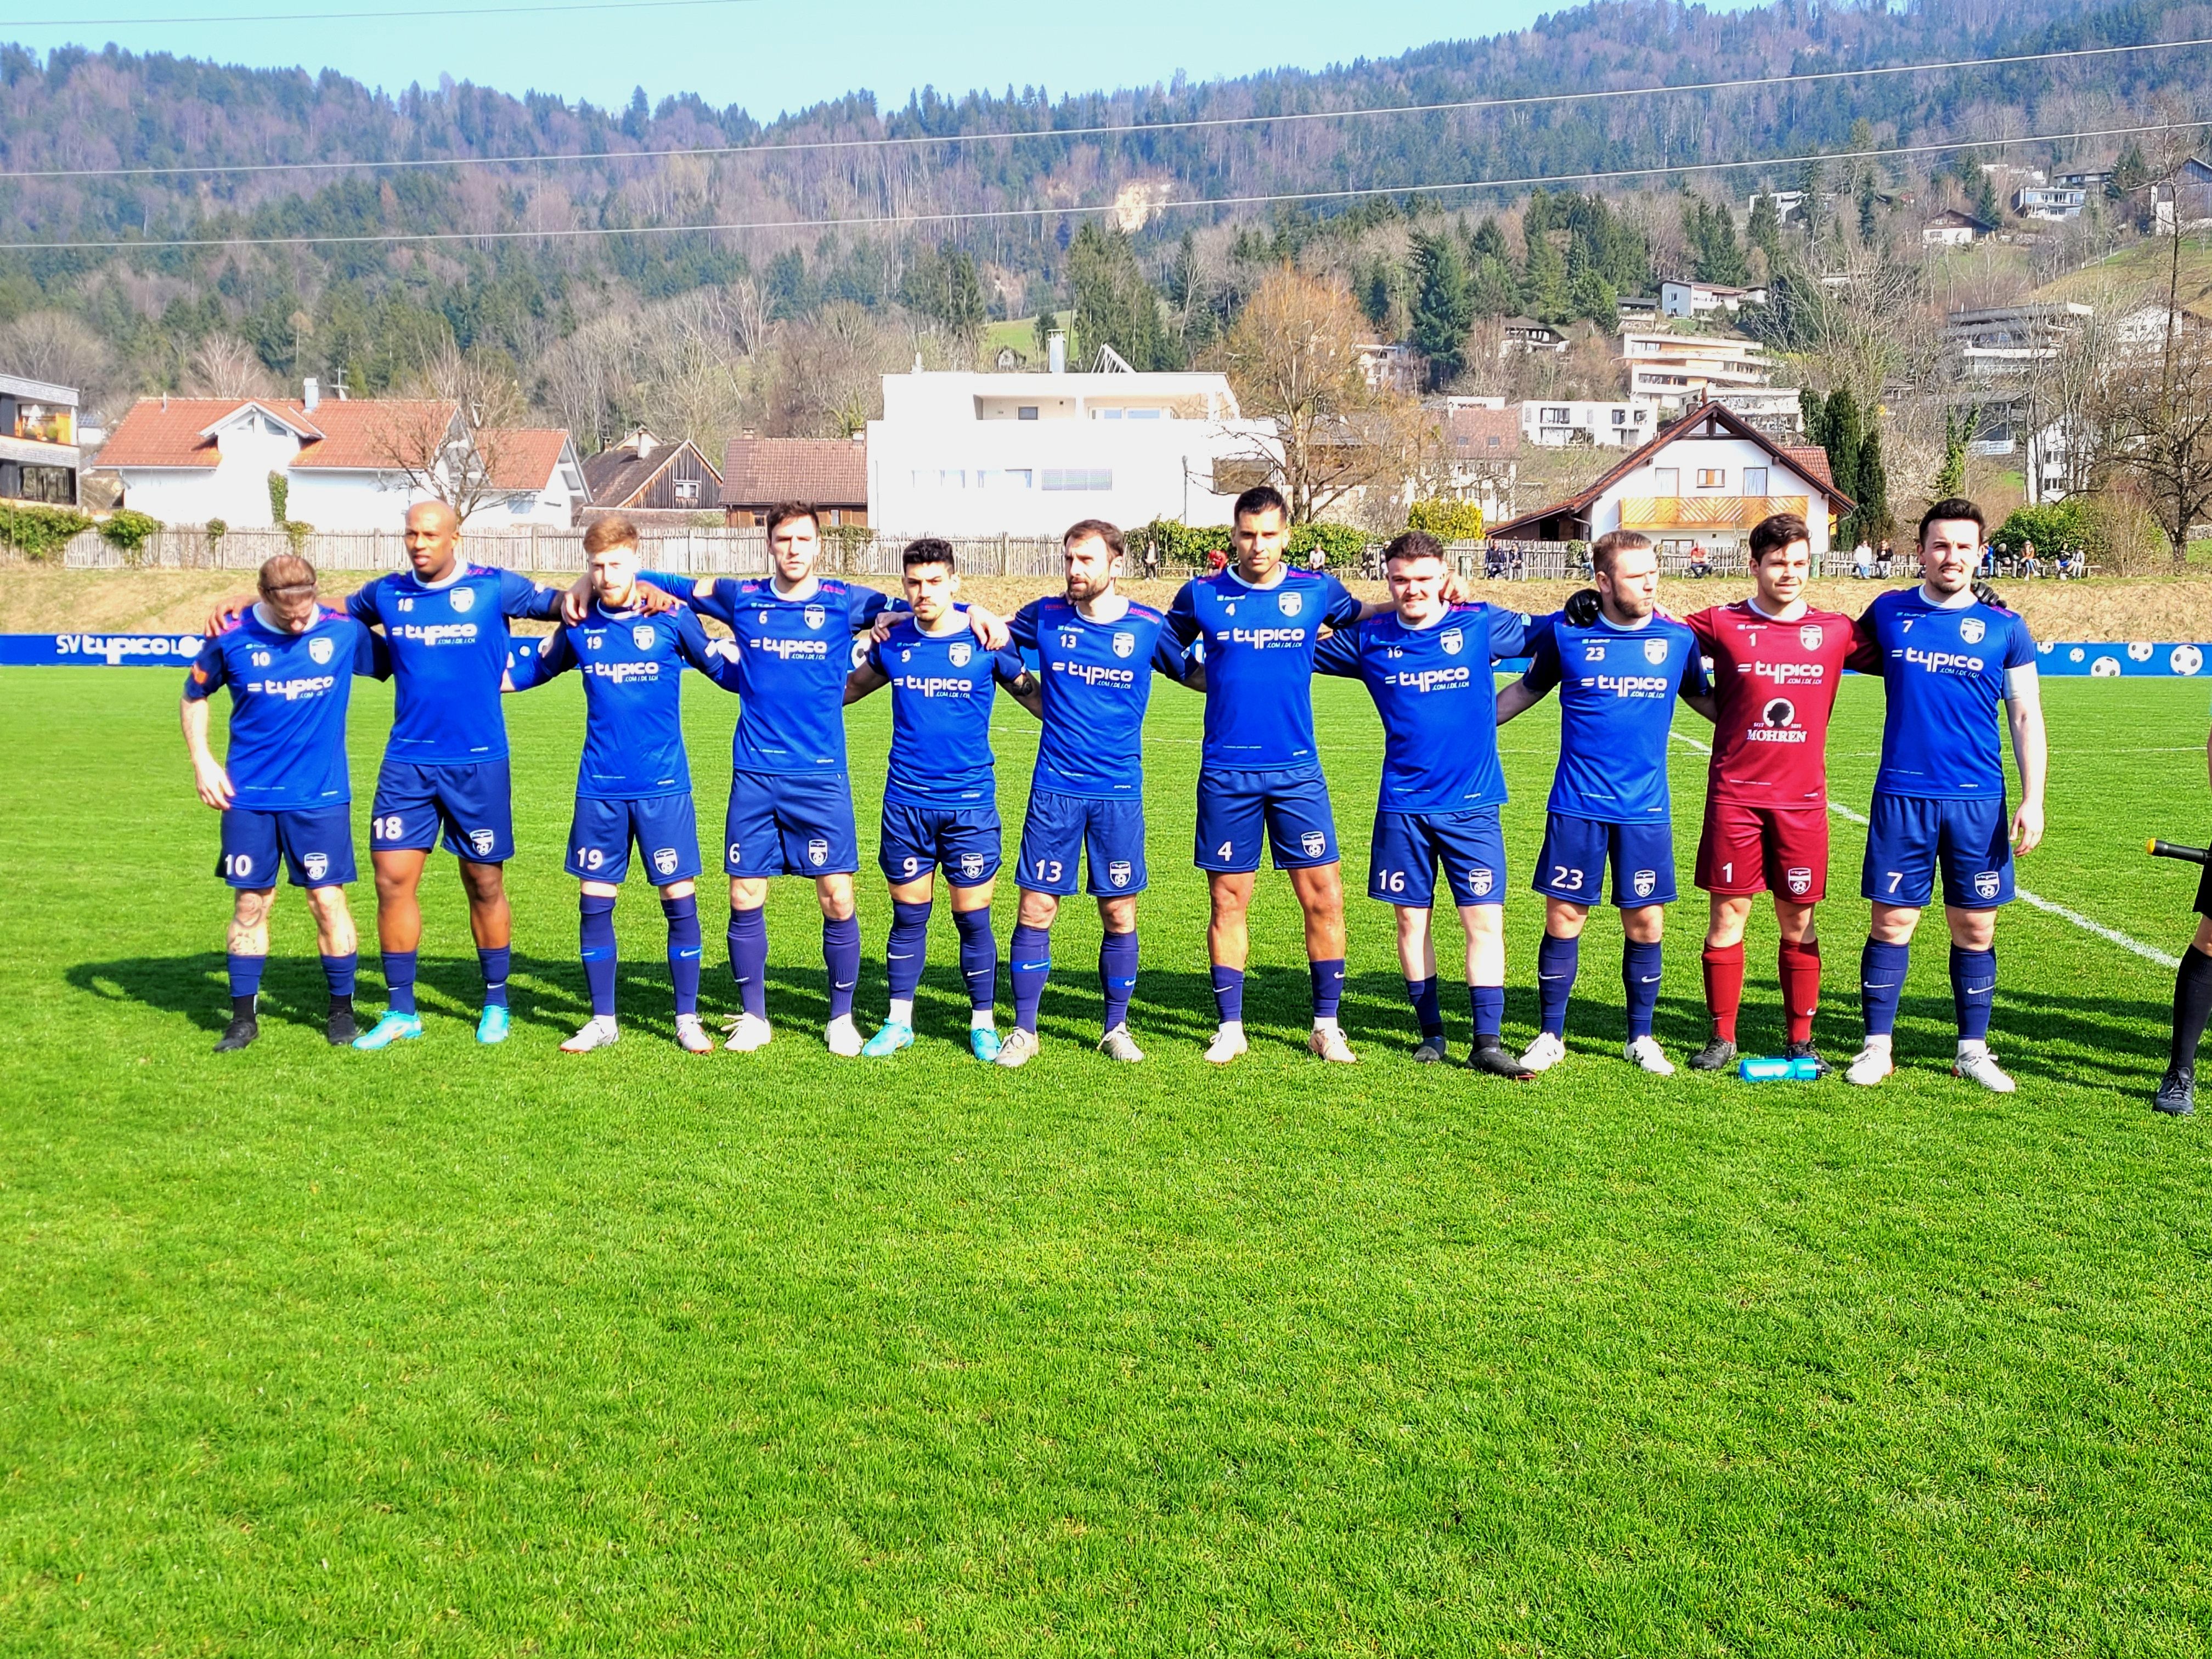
{"x":1764,"y":671}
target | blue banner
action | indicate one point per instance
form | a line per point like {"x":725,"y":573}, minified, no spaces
{"x":98,"y":650}
{"x":2105,"y":660}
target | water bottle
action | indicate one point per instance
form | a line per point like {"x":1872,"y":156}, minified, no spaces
{"x":1777,"y":1071}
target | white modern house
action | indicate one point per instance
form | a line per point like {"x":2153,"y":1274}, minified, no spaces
{"x":1672,"y":369}
{"x":962,"y":454}
{"x":1558,"y":423}
{"x":1686,"y":298}
{"x":348,"y":464}
{"x":1703,"y":481}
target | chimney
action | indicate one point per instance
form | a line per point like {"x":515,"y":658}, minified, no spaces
{"x":644,"y":445}
{"x":311,"y":393}
{"x":1056,"y":352}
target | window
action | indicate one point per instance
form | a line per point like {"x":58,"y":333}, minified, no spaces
{"x":940,"y":478}
{"x":687,"y":490}
{"x":1025,"y":412}
{"x":1667,"y":480}
{"x":1077,"y":479}
{"x":1754,"y":481}
{"x":1012,"y":477}
{"x":1620,"y":418}
{"x":45,"y":423}
{"x":1555,"y":416}
{"x":1105,"y":414}
{"x":1147,"y":414}
{"x":1713,"y":478}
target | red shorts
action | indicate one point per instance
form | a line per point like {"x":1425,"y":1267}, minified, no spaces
{"x":1761,"y":849}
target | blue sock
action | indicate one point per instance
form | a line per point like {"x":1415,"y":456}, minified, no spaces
{"x":1557,"y":962}
{"x":908,"y":949}
{"x":1640,"y":977}
{"x":494,"y":962}
{"x":596,"y":935}
{"x":1229,"y":994}
{"x":840,"y":956}
{"x":749,"y":959}
{"x":1488,"y":1004}
{"x":1328,"y":987}
{"x":1882,"y":981}
{"x":340,"y":972}
{"x":399,"y":982}
{"x":245,"y":973}
{"x":1029,"y":961}
{"x":684,"y":950}
{"x":979,"y":956}
{"x":1973,"y":985}
{"x":1117,"y":975}
{"x":1427,"y":1009}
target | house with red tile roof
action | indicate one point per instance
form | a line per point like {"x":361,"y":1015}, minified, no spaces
{"x":347,"y":464}
{"x":829,"y":474}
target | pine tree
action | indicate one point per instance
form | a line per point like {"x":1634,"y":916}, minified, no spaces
{"x":1813,"y":415}
{"x":1443,"y":305}
{"x":1872,"y":518}
{"x":1114,"y":306}
{"x":1841,"y":439}
{"x":1765,"y":230}
{"x":1544,"y":278}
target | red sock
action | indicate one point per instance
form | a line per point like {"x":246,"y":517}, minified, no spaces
{"x":1724,"y":987}
{"x":1801,"y":987}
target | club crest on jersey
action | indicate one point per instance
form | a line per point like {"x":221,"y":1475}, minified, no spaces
{"x":971,"y":865}
{"x":1288,"y":604}
{"x":320,"y":649}
{"x":1986,"y":883}
{"x":461,"y":599}
{"x":1809,"y":637}
{"x":1118,"y":872}
{"x":1644,"y":882}
{"x":1970,"y":629}
{"x":1800,"y":879}
{"x":1655,"y":652}
{"x":960,"y":652}
{"x":642,"y":637}
{"x":316,"y":864}
{"x":481,"y":841}
{"x":1125,"y":645}
{"x":1453,"y":641}
{"x":1480,"y":880}
{"x":815,"y":616}
{"x":818,"y":850}
{"x":1313,"y":843}
{"x":663,"y":861}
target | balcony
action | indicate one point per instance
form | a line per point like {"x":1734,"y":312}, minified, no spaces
{"x":1669,"y":513}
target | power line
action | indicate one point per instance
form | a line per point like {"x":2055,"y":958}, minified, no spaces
{"x":452,"y":12}
{"x":1001,"y":214}
{"x":1147,"y":127}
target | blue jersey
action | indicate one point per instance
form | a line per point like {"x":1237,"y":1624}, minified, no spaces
{"x":1259,"y":648}
{"x":942,"y":689}
{"x":1943,"y":673}
{"x":288,"y":695}
{"x":793,"y":657}
{"x":1096,"y":679}
{"x":1617,"y":690}
{"x":1438,"y":700}
{"x":633,"y":670}
{"x":448,"y":644}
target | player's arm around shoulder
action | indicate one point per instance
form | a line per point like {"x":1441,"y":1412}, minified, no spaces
{"x":1544,"y":672}
{"x":1339,"y":652}
{"x":716,"y":659}
{"x":1696,"y":686}
{"x":868,"y":675}
{"x":526,"y":668}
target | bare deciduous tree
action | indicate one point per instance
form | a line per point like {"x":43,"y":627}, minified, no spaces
{"x":224,"y":366}
{"x":54,"y":346}
{"x":445,"y":436}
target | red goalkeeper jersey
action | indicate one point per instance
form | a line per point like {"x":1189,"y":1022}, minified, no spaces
{"x":1774,"y":683}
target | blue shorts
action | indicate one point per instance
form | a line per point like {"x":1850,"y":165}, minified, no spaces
{"x":665,"y":827}
{"x":1907,"y":834}
{"x":1061,"y":829}
{"x":316,"y":847}
{"x":915,"y":840}
{"x":1233,"y":805}
{"x":1402,"y":859}
{"x":1571,"y":865}
{"x":789,"y":824}
{"x":471,"y":800}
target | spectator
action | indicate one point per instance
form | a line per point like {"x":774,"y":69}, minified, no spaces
{"x":1151,"y":561}
{"x":1216,"y":558}
{"x":1863,"y":559}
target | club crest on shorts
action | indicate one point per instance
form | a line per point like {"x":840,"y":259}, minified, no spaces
{"x":663,"y":861}
{"x":1118,"y":872}
{"x":1481,"y":880}
{"x":1313,"y":843}
{"x":481,"y":840}
{"x":818,"y":850}
{"x":642,"y":637}
{"x":1289,"y":603}
{"x":1986,"y":883}
{"x":1644,"y":882}
{"x":461,"y":599}
{"x":316,"y":864}
{"x":1125,"y":645}
{"x":1453,"y":641}
{"x":960,"y":652}
{"x":1800,"y":879}
{"x":1970,"y":629}
{"x":320,"y":648}
{"x":1809,"y":637}
{"x":971,"y":867}
{"x":1655,"y":652}
{"x":815,"y":616}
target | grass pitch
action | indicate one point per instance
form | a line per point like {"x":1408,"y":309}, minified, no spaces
{"x":454,"y":1351}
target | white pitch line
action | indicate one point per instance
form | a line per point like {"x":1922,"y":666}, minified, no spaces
{"x":2111,"y":935}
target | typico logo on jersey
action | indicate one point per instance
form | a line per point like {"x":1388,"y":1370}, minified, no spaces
{"x":1791,"y":673}
{"x":936,"y":685}
{"x":803,"y":650}
{"x":1262,"y":639}
{"x":438,"y":633}
{"x":1429,"y":679}
{"x":1631,"y":685}
{"x":621,"y":673}
{"x":1097,"y":673}
{"x":1942,"y":662}
{"x":291,"y":691}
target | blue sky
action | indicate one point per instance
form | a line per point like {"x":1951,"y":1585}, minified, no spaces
{"x":770,"y":55}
